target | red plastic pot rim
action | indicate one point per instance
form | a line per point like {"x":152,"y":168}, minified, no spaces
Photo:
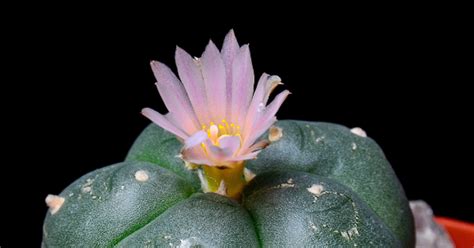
{"x":462,"y":233}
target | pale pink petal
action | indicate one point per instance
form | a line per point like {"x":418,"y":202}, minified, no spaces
{"x":217,"y":154}
{"x":229,"y":143}
{"x":242,"y":84}
{"x":272,"y":108}
{"x":259,"y":128}
{"x":213,"y":72}
{"x":247,"y":156}
{"x":259,"y":145}
{"x":175,"y":98}
{"x":195,"y":139}
{"x":230,"y":48}
{"x":190,"y":74}
{"x":163,"y":122}
{"x":256,"y":109}
{"x":173,"y":120}
{"x":265,"y":120}
{"x":270,"y":85}
{"x":196,"y":155}
{"x":256,"y":103}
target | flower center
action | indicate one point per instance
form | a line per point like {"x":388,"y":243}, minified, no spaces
{"x":215,"y":131}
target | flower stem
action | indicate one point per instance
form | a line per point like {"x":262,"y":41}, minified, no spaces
{"x":228,"y":180}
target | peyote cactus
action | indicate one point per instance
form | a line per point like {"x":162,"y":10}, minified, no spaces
{"x":219,"y":171}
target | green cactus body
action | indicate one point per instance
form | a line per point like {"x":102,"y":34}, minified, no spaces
{"x":316,"y":185}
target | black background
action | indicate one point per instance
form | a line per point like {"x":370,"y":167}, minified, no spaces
{"x":79,"y":81}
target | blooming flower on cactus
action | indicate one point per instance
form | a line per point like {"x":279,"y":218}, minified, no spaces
{"x":213,"y":108}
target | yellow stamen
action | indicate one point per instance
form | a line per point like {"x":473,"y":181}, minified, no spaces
{"x":224,"y":128}
{"x":213,"y":133}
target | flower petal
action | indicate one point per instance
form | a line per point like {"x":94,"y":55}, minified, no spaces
{"x":229,"y":143}
{"x":163,"y":122}
{"x":217,"y":154}
{"x":195,"y":139}
{"x":259,"y":128}
{"x":213,"y":72}
{"x":191,"y":76}
{"x":272,"y":108}
{"x":175,"y":98}
{"x":230,"y":48}
{"x":246,"y":156}
{"x":256,"y":109}
{"x":270,"y":85}
{"x":242,"y":84}
{"x":257,"y":101}
{"x":264,"y":122}
{"x":195,"y":155}
{"x":259,"y":145}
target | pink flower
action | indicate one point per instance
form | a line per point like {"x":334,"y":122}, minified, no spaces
{"x":213,"y":109}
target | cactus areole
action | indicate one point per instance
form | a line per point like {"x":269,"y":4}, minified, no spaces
{"x":219,"y":170}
